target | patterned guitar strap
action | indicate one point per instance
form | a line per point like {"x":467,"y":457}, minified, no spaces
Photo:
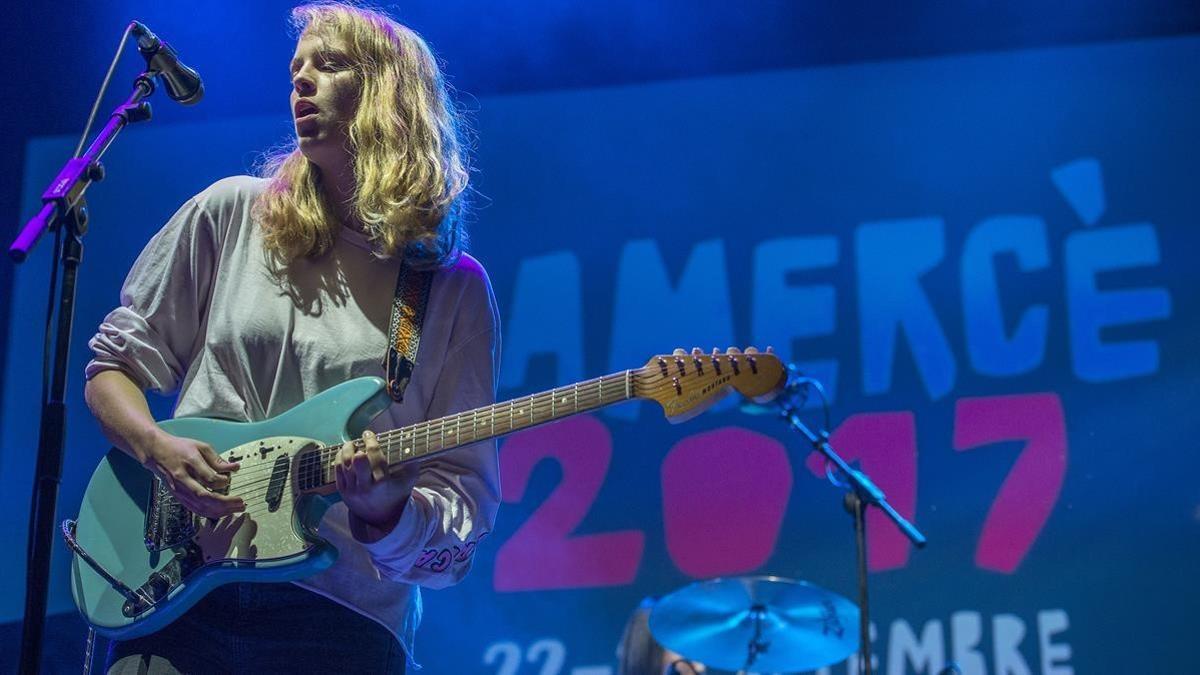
{"x":404,"y":328}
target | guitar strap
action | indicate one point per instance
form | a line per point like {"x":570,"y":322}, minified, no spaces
{"x":404,"y":328}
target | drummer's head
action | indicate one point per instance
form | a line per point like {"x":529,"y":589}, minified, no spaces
{"x":640,"y":654}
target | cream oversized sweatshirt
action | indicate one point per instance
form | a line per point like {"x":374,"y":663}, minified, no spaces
{"x":202,"y":314}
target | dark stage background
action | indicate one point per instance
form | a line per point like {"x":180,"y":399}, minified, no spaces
{"x":975,"y":224}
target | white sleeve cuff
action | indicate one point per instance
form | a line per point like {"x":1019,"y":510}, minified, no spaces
{"x":395,"y":552}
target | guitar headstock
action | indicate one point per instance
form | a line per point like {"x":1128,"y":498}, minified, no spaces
{"x":688,"y":383}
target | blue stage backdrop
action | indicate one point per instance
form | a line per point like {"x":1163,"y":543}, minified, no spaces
{"x":987,"y":259}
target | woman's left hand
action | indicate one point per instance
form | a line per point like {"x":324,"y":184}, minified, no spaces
{"x":372,"y":496}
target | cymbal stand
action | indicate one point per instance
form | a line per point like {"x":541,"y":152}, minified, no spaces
{"x":757,"y":645}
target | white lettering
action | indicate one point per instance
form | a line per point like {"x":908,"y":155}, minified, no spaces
{"x":966,"y":631}
{"x":1007,"y":633}
{"x":1051,"y":622}
{"x":928,"y":655}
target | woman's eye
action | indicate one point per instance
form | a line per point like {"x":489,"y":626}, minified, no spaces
{"x":331,"y":64}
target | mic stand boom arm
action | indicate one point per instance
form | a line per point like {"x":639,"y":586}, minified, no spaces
{"x":860,"y":494}
{"x":65,"y":192}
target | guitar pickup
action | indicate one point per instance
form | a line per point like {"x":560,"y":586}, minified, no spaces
{"x":279,"y":476}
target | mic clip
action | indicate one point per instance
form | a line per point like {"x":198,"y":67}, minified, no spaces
{"x":183,"y":84}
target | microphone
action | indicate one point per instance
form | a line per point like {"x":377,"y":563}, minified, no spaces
{"x":183,"y":84}
{"x":796,"y":387}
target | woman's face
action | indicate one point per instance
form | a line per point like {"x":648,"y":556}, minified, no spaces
{"x":325,"y":91}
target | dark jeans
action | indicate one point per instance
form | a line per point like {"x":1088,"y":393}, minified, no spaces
{"x":262,"y":628}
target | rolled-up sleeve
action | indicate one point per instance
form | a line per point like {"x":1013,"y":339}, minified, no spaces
{"x":153,"y":334}
{"x":457,"y":494}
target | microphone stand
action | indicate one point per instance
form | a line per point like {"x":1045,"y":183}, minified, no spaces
{"x":860,"y":494}
{"x":64,"y":211}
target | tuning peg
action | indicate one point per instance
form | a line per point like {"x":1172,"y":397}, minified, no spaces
{"x":770,"y":349}
{"x":716,"y":352}
{"x":678,"y":352}
{"x":751,"y":350}
{"x":733,"y":350}
{"x":696,"y":351}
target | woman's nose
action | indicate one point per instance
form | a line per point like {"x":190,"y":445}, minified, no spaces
{"x":303,"y":84}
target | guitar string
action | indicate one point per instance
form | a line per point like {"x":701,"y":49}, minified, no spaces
{"x":660,"y":386}
{"x":585,"y":403}
{"x":420,"y":433}
{"x":537,"y":402}
{"x":424,"y":437}
{"x":258,"y":510}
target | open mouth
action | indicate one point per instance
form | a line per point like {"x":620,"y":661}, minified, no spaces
{"x":305,"y":109}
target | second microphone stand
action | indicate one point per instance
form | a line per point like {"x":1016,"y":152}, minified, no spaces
{"x":860,"y":494}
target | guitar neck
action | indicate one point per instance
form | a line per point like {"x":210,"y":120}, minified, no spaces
{"x":446,"y":433}
{"x":481,"y":424}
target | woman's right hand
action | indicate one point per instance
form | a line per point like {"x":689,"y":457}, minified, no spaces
{"x":193,"y":472}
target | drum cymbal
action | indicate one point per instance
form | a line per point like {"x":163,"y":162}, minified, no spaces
{"x":766,"y":624}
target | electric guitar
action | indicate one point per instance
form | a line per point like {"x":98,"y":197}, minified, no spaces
{"x":141,"y":559}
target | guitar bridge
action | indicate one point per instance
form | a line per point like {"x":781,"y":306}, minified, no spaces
{"x":168,"y":523}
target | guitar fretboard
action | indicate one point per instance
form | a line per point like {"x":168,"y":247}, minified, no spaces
{"x":445,"y":433}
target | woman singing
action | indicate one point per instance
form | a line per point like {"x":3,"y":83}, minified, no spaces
{"x":260,"y":293}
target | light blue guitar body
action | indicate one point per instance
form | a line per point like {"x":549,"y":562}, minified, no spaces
{"x":274,"y":540}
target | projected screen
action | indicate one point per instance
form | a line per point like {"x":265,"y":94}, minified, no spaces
{"x":986,"y":259}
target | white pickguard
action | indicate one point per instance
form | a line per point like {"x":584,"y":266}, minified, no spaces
{"x":264,"y":531}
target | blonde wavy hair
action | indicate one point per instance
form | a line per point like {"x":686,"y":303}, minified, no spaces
{"x":410,"y":161}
